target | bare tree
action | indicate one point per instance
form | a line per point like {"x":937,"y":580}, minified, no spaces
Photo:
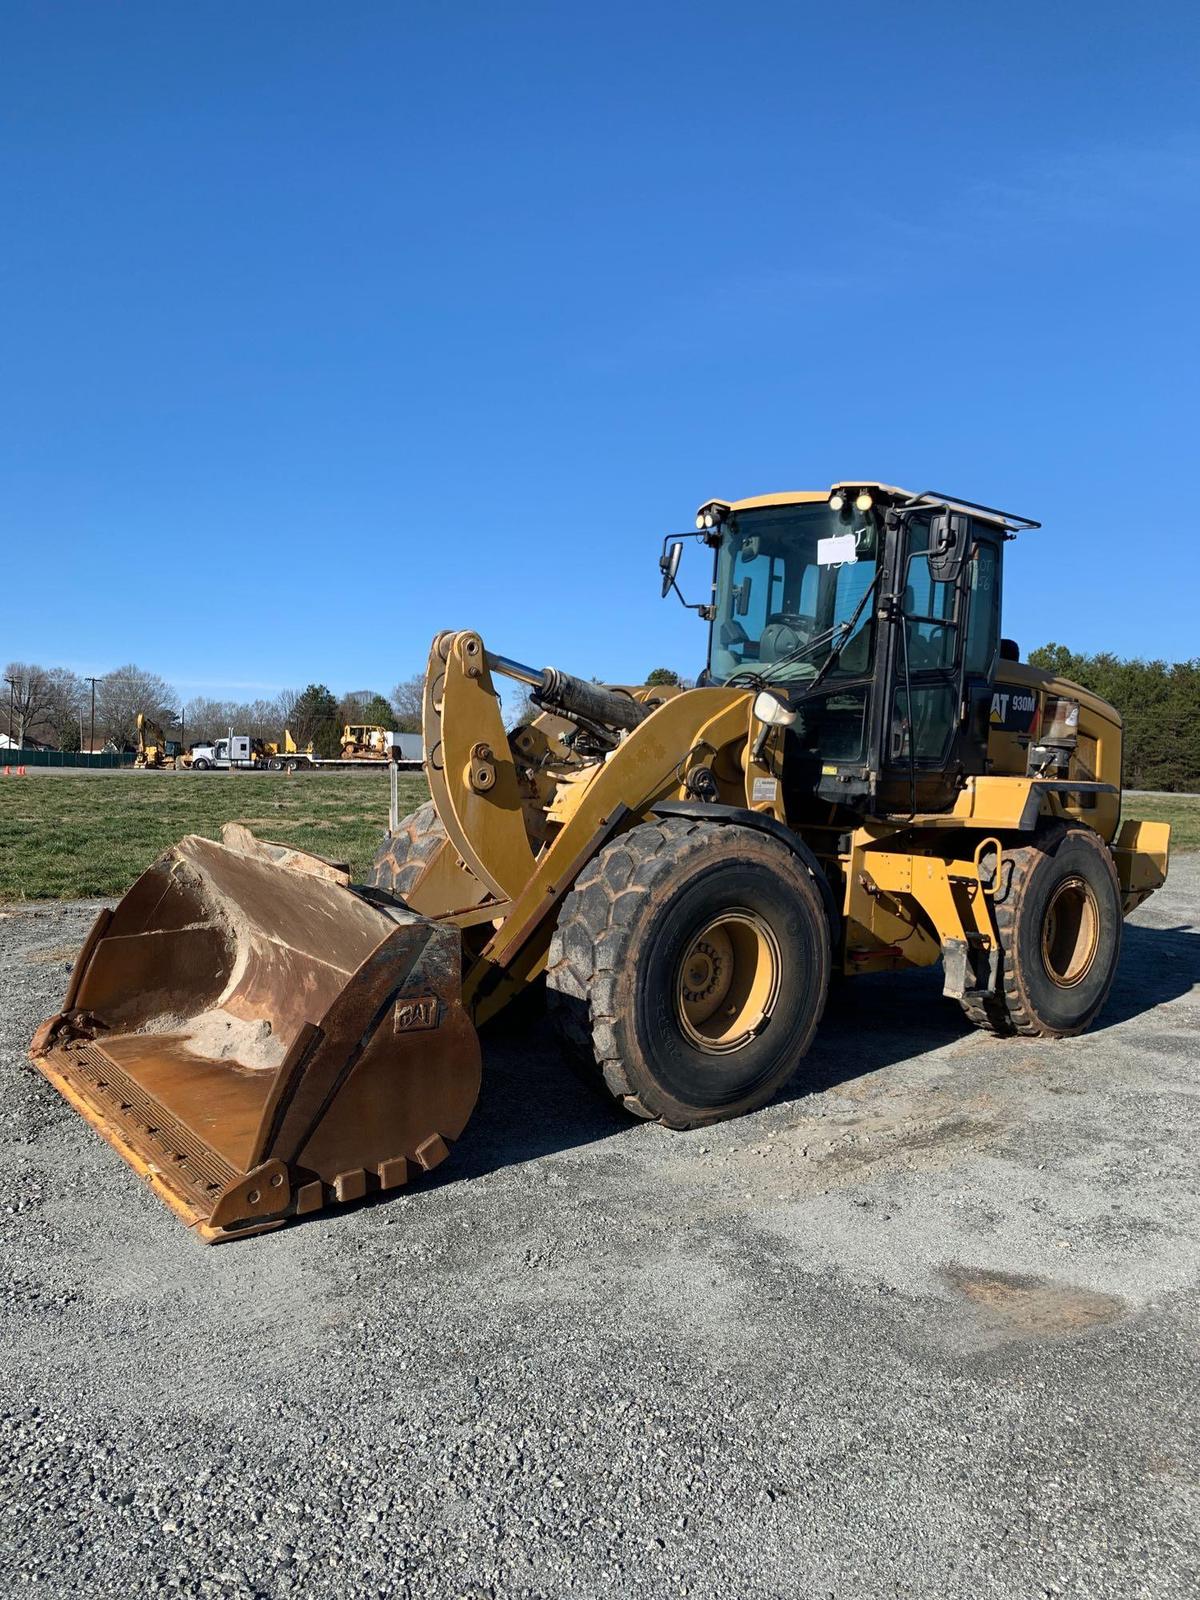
{"x":407,"y":700}
{"x":59,"y":723}
{"x":260,"y":719}
{"x":122,"y":693}
{"x":522,"y":712}
{"x":285,"y":705}
{"x":205,"y":719}
{"x":350,"y":706}
{"x":31,"y":697}
{"x":208,"y":719}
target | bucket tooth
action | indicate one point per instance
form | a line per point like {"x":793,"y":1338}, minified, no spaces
{"x":432,"y":1152}
{"x":350,"y":1185}
{"x":259,"y":1040}
{"x":392,"y":1173}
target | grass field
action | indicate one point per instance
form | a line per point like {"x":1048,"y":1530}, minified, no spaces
{"x":63,"y":837}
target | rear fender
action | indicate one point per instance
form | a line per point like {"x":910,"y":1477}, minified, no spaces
{"x":1141,"y":852}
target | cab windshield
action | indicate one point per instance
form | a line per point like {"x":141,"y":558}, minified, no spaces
{"x":787,"y":576}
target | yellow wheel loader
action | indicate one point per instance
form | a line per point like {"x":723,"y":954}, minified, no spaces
{"x":864,"y":779}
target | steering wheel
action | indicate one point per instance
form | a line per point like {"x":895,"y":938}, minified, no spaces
{"x":785,"y":631}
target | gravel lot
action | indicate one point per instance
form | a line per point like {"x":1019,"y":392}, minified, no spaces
{"x":926,"y":1326}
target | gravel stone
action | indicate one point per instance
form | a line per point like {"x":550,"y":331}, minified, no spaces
{"x":925,"y":1326}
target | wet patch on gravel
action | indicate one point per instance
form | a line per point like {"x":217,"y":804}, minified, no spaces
{"x":1033,"y":1307}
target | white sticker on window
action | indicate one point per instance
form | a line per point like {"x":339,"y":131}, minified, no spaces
{"x":764,"y":789}
{"x":830,"y":552}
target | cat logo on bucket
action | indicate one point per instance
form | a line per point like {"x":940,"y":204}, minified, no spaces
{"x":421,"y":1011}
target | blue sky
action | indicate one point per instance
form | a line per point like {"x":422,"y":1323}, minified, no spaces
{"x":329,"y":326}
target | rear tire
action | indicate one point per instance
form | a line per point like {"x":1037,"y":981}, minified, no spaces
{"x":1059,"y":920}
{"x":404,"y":855}
{"x":690,"y":968}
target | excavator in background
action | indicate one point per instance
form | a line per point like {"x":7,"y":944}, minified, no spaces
{"x":866,"y":779}
{"x":154,"y":749}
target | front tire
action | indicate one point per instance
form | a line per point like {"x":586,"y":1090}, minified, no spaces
{"x":690,"y":967}
{"x":404,"y":855}
{"x":1059,"y":919}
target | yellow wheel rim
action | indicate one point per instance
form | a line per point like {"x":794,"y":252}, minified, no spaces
{"x":728,"y":981}
{"x":1070,"y":932}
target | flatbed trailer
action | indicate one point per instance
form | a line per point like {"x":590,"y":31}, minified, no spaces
{"x":239,"y":752}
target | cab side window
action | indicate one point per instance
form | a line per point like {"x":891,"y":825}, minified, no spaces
{"x":983,"y":609}
{"x":928,"y":607}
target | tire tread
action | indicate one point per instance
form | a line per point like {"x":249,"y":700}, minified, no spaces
{"x":1009,"y":1013}
{"x":592,"y":928}
{"x":405,"y":854}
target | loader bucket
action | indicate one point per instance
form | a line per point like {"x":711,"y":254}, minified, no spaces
{"x":258,"y":1039}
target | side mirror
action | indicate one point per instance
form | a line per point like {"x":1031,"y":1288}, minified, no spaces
{"x":769,"y":709}
{"x":770,"y":712}
{"x":741,"y":597}
{"x":668,"y":565}
{"x":948,"y":539}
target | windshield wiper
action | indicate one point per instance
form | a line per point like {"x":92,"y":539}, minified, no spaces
{"x":845,"y":629}
{"x":848,"y":628}
{"x":792,"y":656}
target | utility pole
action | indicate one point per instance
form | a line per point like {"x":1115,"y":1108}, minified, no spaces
{"x":92,"y":730}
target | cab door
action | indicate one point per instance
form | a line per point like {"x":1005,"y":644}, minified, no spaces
{"x":944,"y":640}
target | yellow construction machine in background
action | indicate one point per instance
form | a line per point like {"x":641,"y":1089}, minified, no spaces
{"x":865,"y":779}
{"x":360,"y":744}
{"x":365,"y":742}
{"x":154,"y":749}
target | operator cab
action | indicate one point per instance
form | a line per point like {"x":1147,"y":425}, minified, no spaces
{"x":873,"y":615}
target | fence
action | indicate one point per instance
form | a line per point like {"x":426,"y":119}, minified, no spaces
{"x":61,"y":758}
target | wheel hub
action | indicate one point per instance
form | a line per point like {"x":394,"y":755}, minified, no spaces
{"x":1070,"y":932}
{"x":728,"y":981}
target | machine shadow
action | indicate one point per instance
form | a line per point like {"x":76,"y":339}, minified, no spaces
{"x":1157,"y":965}
{"x":533,"y":1103}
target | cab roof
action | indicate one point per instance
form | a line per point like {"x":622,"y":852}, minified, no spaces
{"x":798,"y":497}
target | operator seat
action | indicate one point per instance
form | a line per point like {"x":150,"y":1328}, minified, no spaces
{"x":785,"y":631}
